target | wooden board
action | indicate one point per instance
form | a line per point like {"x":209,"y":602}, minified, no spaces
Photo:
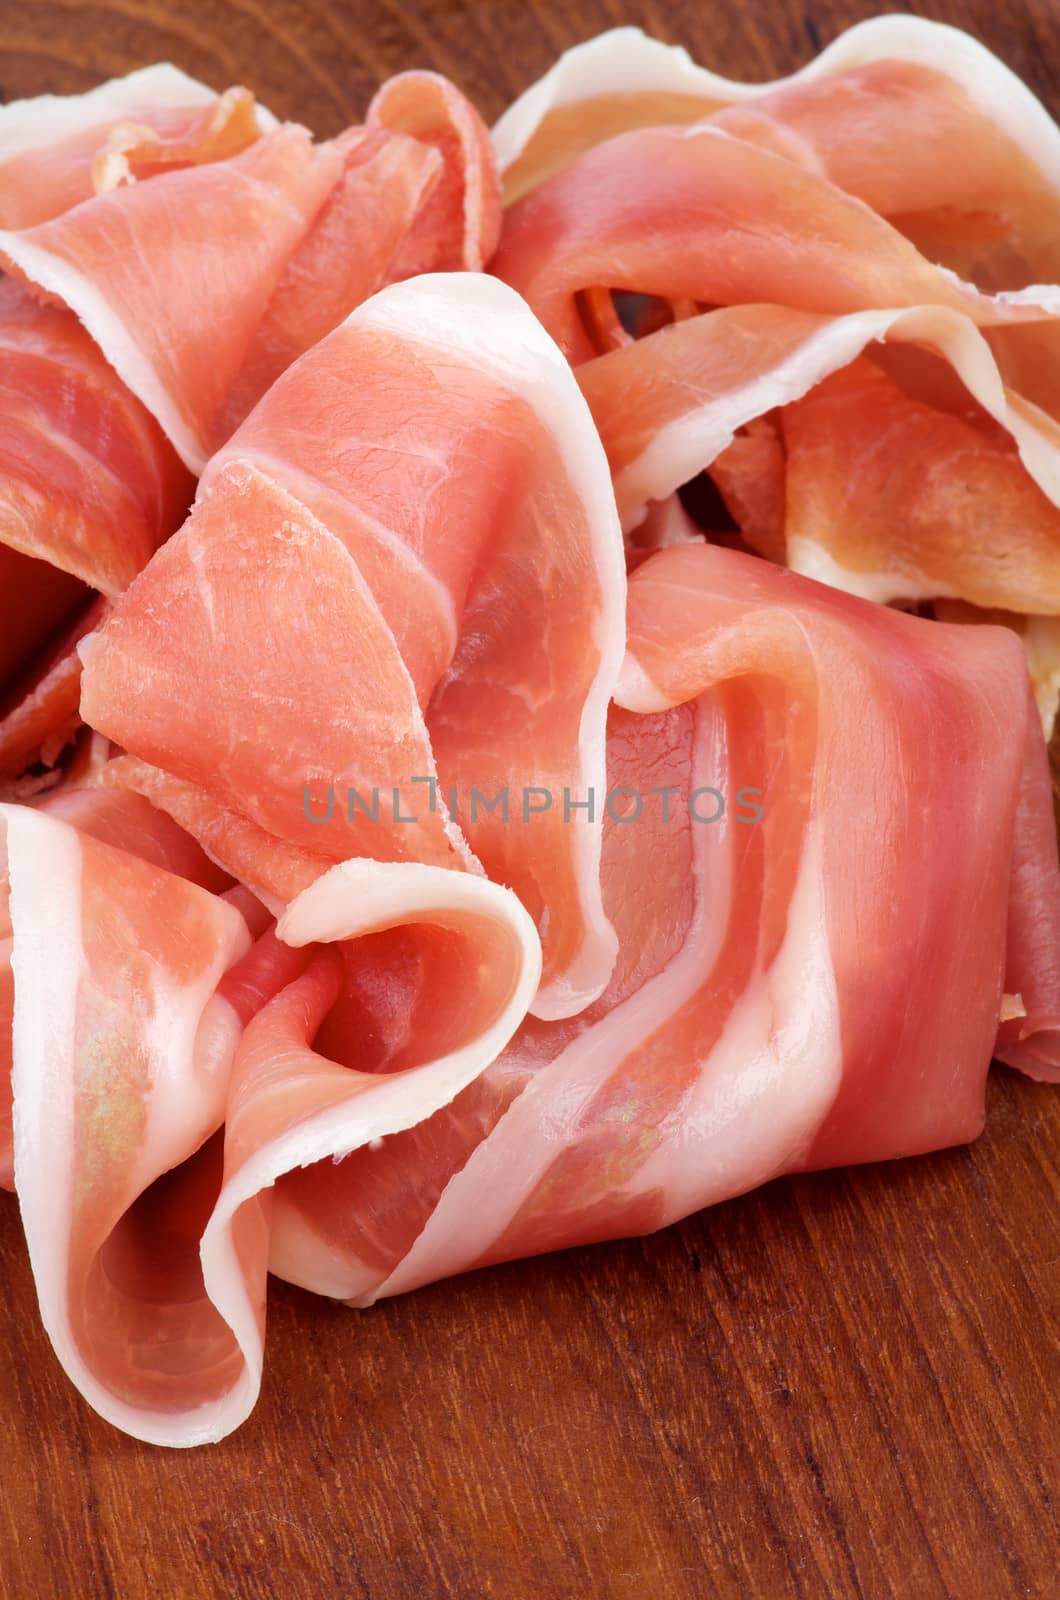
{"x":843,"y":1385}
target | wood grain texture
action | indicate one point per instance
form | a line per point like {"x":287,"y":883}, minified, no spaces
{"x":843,"y":1385}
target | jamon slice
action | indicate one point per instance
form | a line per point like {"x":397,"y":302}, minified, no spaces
{"x":475,"y":967}
{"x":204,"y":263}
{"x":1040,"y":637}
{"x":461,"y":222}
{"x":385,"y":178}
{"x":88,"y":483}
{"x":881,"y":491}
{"x":907,"y":501}
{"x":814,"y":977}
{"x":405,"y":565}
{"x":172,"y":275}
{"x":89,"y":487}
{"x":694,"y":213}
{"x":121,"y":1052}
{"x":120,"y":819}
{"x":1029,"y":1037}
{"x":165,"y":1347}
{"x":57,"y":150}
{"x":418,"y":192}
{"x":39,"y":706}
{"x":919,"y":121}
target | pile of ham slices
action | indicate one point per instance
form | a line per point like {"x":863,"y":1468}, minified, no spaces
{"x":723,"y":457}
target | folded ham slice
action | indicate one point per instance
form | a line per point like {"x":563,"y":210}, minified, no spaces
{"x":89,"y":488}
{"x":418,"y":517}
{"x":697,"y":214}
{"x":916,"y":119}
{"x":913,"y":122}
{"x":58,"y":150}
{"x":815,"y":977}
{"x":126,"y":822}
{"x":132,"y":986}
{"x":883,"y":493}
{"x":206,"y":254}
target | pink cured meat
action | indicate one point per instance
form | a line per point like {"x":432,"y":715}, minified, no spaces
{"x":694,"y":213}
{"x":460,"y":225}
{"x":202,"y":278}
{"x":419,"y":517}
{"x":148,"y":1237}
{"x":917,"y":120}
{"x":89,"y":488}
{"x":880,"y":490}
{"x":121,"y":1049}
{"x":56,"y":151}
{"x":122,"y":262}
{"x":87,"y":480}
{"x":126,"y":822}
{"x":418,"y":192}
{"x":820,"y":987}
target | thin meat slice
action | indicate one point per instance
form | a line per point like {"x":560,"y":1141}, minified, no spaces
{"x":908,"y":501}
{"x":814,"y":977}
{"x":121,"y":1048}
{"x":150,"y":1247}
{"x":205,"y":260}
{"x":694,"y":213}
{"x":418,"y":519}
{"x":39,"y":706}
{"x":418,"y":192}
{"x":1040,"y":637}
{"x":475,"y":967}
{"x":172,"y":275}
{"x":1029,"y":1036}
{"x":460,"y":223}
{"x":970,"y":473}
{"x":88,"y":482}
{"x":918,"y":120}
{"x":58,"y":150}
{"x":307,"y":701}
{"x":352,"y":249}
{"x":126,"y":822}
{"x":134,"y":151}
{"x":89,"y":488}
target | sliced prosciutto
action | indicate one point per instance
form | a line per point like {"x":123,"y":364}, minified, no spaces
{"x":203,"y":275}
{"x":58,"y":150}
{"x":88,"y":483}
{"x":418,"y":192}
{"x":917,"y":120}
{"x":909,"y":472}
{"x":127,"y":823}
{"x":146,"y":982}
{"x":697,"y":214}
{"x":121,"y":1050}
{"x":833,"y":798}
{"x":418,"y":518}
{"x":89,"y":488}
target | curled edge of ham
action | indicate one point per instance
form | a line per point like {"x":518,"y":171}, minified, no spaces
{"x":627,"y":62}
{"x":41,"y":120}
{"x":485,"y":322}
{"x":192,"y":1045}
{"x":690,"y":441}
{"x":355,"y":898}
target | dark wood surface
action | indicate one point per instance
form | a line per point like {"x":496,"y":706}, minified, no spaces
{"x":843,"y":1385}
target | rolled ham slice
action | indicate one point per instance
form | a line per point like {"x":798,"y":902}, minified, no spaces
{"x":813,"y":977}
